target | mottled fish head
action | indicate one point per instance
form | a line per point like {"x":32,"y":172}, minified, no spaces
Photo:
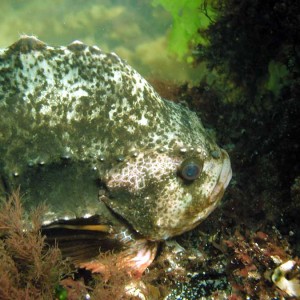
{"x":170,"y":190}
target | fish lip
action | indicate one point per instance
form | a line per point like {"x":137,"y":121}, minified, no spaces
{"x":223,"y":179}
{"x":226,"y":172}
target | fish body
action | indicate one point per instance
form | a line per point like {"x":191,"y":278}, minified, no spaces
{"x":85,"y":133}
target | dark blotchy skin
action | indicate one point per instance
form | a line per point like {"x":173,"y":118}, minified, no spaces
{"x":81,"y":130}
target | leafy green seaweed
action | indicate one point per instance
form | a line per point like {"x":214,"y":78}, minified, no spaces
{"x":189,"y":19}
{"x":277,"y":79}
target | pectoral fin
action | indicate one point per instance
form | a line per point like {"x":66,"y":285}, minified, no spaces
{"x":83,"y":238}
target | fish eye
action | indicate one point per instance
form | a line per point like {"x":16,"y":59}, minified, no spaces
{"x":190,"y":169}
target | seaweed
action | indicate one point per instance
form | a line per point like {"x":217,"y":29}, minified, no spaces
{"x":32,"y":269}
{"x":28,"y":269}
{"x":189,"y":18}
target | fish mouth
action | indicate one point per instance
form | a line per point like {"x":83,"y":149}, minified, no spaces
{"x":226,"y":172}
{"x":188,"y":221}
{"x":223,"y":180}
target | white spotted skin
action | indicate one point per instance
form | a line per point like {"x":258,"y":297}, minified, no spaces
{"x":76,"y":121}
{"x":135,"y":186}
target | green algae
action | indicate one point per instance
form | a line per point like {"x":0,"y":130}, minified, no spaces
{"x":189,"y":19}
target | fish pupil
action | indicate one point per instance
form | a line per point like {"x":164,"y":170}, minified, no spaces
{"x":190,"y":170}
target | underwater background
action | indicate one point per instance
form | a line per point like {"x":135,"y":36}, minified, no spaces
{"x":236,"y":63}
{"x":135,"y":30}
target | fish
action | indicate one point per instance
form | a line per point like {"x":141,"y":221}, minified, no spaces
{"x":85,"y":133}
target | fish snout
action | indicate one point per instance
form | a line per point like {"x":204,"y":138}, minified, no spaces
{"x":223,"y":180}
